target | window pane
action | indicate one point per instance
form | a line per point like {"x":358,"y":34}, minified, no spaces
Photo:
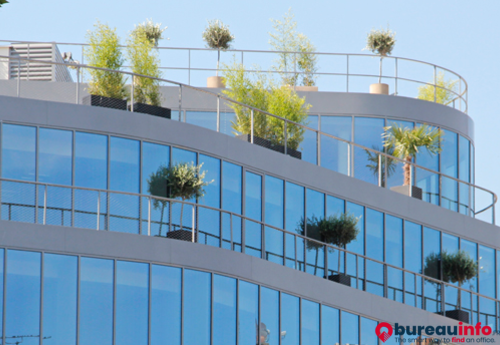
{"x":350,"y":328}
{"x":269,"y":316}
{"x":375,"y":234}
{"x":96,"y":301}
{"x":183,"y":156}
{"x":197,"y":304}
{"x":310,"y":323}
{"x":231,"y":187}
{"x":471,"y":249}
{"x":224,"y":322}
{"x":432,"y":245}
{"x":91,"y":160}
{"x":253,"y":197}
{"x":449,"y":166}
{"x":357,"y":245}
{"x":18,"y":152}
{"x":1,"y":290}
{"x":413,"y":247}
{"x":294,"y":206}
{"x":290,"y":322}
{"x":124,"y":165}
{"x":309,"y":146}
{"x":248,"y":313}
{"x":315,"y":208}
{"x":329,"y":325}
{"x":367,"y":132}
{"x":54,"y":154}
{"x":23,"y":295}
{"x":153,"y":157}
{"x":59,"y":299}
{"x":132,"y":284}
{"x":334,"y":153}
{"x":486,"y":271}
{"x":394,"y":240}
{"x":166,"y":286}
{"x":209,"y":220}
{"x":274,"y":202}
{"x":334,"y":206}
{"x":368,"y":335}
{"x":206,"y":119}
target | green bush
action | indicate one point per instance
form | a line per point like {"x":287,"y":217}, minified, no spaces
{"x":104,"y":51}
{"x":144,"y":60}
{"x":380,"y":42}
{"x":258,"y":91}
{"x":443,"y":92}
{"x":153,"y":31}
{"x":217,"y":36}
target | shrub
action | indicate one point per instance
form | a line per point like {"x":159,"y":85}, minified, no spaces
{"x":153,"y":32}
{"x":217,"y":36}
{"x":380,"y":42}
{"x":444,"y":90}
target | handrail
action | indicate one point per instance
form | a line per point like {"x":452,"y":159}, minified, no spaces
{"x":461,"y":95}
{"x":46,"y":188}
{"x":287,"y":123}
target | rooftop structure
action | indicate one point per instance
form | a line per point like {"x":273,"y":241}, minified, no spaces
{"x":90,"y":256}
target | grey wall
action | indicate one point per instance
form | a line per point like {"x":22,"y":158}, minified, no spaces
{"x":141,"y":126}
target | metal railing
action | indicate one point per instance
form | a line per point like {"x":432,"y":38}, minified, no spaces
{"x":467,"y":194}
{"x":337,"y":71}
{"x":106,"y":210}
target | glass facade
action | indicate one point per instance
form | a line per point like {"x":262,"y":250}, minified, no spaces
{"x":97,"y":300}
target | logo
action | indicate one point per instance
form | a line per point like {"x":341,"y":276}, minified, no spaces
{"x":384,"y":335}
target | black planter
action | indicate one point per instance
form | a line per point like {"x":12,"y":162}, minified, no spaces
{"x":151,"y":110}
{"x":459,"y":315}
{"x":416,"y":192}
{"x":106,"y":102}
{"x":269,"y":145}
{"x":340,"y":278}
{"x":183,"y":235}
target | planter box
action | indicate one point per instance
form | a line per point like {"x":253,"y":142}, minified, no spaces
{"x":183,"y":235}
{"x":379,"y":88}
{"x":459,"y":315}
{"x":268,"y":145}
{"x":415,"y":191}
{"x":106,"y":102}
{"x":151,"y":110}
{"x":340,"y":278}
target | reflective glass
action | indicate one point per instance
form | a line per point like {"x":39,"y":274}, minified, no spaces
{"x":197,"y":305}
{"x":54,"y":154}
{"x":350,"y":328}
{"x":154,"y":156}
{"x":224,"y":318}
{"x":132,"y":284}
{"x":334,"y":206}
{"x":432,"y":246}
{"x":309,"y":146}
{"x":270,"y":316}
{"x":1,"y":290}
{"x":449,"y":166}
{"x":464,"y":174}
{"x":209,"y":220}
{"x":290,"y":320}
{"x":375,"y":234}
{"x":180,"y":156}
{"x":329,"y":325}
{"x":413,"y":247}
{"x":23,"y":296}
{"x":429,"y":182}
{"x":368,"y":335}
{"x":91,"y":160}
{"x":394,"y":240}
{"x":334,"y":153}
{"x":59,"y":299}
{"x":310,"y":323}
{"x":183,"y":156}
{"x":206,"y":119}
{"x":486,"y":271}
{"x":96,"y":301}
{"x":248,"y":313}
{"x":18,"y":152}
{"x":253,"y":196}
{"x":357,"y":245}
{"x":166,"y":287}
{"x":315,"y":207}
{"x":274,"y":201}
{"x":471,"y":249}
{"x":368,"y":133}
{"x":294,"y":206}
{"x":232,"y":201}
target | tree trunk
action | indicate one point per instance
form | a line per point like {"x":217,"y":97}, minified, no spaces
{"x":182,"y":212}
{"x":407,"y":171}
{"x":380,"y":75}
{"x":218,"y":60}
{"x":339,"y":262}
{"x":459,"y":299}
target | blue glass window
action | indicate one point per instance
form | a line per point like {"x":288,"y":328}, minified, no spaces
{"x":310,"y":323}
{"x":464,"y":174}
{"x":367,"y":132}
{"x":334,"y":153}
{"x":253,"y":210}
{"x":224,"y":319}
{"x":96,"y":301}
{"x":350,"y":328}
{"x":413,"y":262}
{"x":274,"y":215}
{"x":294,"y":214}
{"x":315,"y":208}
{"x":330,"y":325}
{"x":486,"y":271}
{"x":166,"y":288}
{"x":206,"y":119}
{"x":91,"y":160}
{"x":432,"y":294}
{"x":232,"y":201}
{"x":23,"y":295}
{"x":269,"y":316}
{"x":449,"y":166}
{"x":248,"y":313}
{"x":334,"y":206}
{"x":394,"y":256}
{"x":132,"y":284}
{"x":197,"y":305}
{"x":368,"y":335}
{"x":209,"y":220}
{"x":309,"y":146}
{"x":153,"y":157}
{"x":59,"y":299}
{"x":290,"y":320}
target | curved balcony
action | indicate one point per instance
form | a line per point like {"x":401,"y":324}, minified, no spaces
{"x":104,"y":210}
{"x":470,"y":199}
{"x":337,"y":72}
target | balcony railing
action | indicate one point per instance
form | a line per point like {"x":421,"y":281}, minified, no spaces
{"x":105,"y":210}
{"x":470,"y":199}
{"x":336,"y":71}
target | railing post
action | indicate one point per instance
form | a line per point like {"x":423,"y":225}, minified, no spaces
{"x":251,"y":126}
{"x":44,"y":205}
{"x":286,"y":136}
{"x":396,"y":77}
{"x":149,"y":216}
{"x":386,"y":290}
{"x":379,"y":170}
{"x":78,"y":85}
{"x":411,"y":181}
{"x":192,"y":226}
{"x":98,"y":210}
{"x":132,"y":94}
{"x":347,"y":75}
{"x":230,"y":228}
{"x":189,"y":67}
{"x":318,"y":148}
{"x":218,"y":113}
{"x":180,"y":102}
{"x":18,"y":76}
{"x":493,"y":209}
{"x":348,"y":159}
{"x":435,"y":85}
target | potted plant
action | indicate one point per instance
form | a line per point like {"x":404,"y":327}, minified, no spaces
{"x":217,"y":36}
{"x":439,"y":90}
{"x":380,"y":42}
{"x":144,"y":60}
{"x":106,"y":89}
{"x":297,"y":70}
{"x":262,"y":93}
{"x":183,"y":180}
{"x":339,"y":231}
{"x":313,"y":232}
{"x":405,"y":143}
{"x":157,"y":186}
{"x":459,"y":268}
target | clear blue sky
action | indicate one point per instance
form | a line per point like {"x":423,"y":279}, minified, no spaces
{"x":460,"y":35}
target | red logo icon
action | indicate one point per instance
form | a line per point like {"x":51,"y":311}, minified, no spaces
{"x":383,"y":335}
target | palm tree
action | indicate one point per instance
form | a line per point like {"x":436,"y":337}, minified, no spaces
{"x":373,"y":160}
{"x":406,"y":143}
